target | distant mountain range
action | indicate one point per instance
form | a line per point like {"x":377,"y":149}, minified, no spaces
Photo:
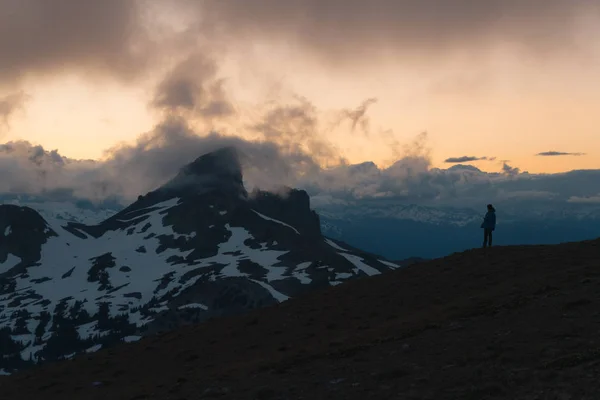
{"x":403,"y":231}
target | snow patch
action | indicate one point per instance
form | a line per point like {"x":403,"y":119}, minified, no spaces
{"x":193,"y":305}
{"x":94,"y":349}
{"x":87,"y":330}
{"x":159,"y":309}
{"x":11,"y":262}
{"x":280,"y":297}
{"x":334,"y":245}
{"x":275,"y":220}
{"x":389,"y":264}
{"x":358,"y":263}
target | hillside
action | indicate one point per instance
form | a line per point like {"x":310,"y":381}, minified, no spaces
{"x":195,"y":248}
{"x":502,"y":323}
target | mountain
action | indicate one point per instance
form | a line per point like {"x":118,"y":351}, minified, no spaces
{"x":65,"y":211}
{"x":197,"y":247}
{"x":512,"y":323}
{"x":435,"y":231}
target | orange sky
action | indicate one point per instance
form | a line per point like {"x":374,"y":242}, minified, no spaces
{"x":505,"y":106}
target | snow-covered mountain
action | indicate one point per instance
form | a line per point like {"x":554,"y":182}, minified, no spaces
{"x":393,"y":210}
{"x":197,"y":247}
{"x":66,"y":211}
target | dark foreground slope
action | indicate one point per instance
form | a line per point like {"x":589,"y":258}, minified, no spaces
{"x":507,"y":323}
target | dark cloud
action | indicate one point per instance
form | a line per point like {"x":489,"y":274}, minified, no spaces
{"x":123,"y":38}
{"x":193,"y":87}
{"x":558,"y":153}
{"x":356,"y":30}
{"x":510,"y":171}
{"x":8,"y":106}
{"x":455,"y":160}
{"x":43,"y":37}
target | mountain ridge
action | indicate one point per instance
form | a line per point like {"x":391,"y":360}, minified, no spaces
{"x":201,"y":239}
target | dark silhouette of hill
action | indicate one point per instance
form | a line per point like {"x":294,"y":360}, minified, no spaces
{"x":410,"y":261}
{"x":515,"y":323}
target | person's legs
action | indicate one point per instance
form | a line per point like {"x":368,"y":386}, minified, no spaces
{"x":487,"y":238}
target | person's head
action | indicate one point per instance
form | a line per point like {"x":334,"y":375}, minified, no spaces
{"x":490,"y":207}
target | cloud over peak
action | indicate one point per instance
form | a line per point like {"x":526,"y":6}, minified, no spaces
{"x":193,"y":87}
{"x":156,"y":157}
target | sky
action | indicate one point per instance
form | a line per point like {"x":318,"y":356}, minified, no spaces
{"x":507,"y":86}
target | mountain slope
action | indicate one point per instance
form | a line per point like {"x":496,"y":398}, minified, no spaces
{"x":506,"y":323}
{"x":198,"y":247}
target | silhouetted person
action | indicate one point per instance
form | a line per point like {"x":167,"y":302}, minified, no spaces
{"x":488,"y":225}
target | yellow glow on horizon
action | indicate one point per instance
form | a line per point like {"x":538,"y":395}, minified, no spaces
{"x":79,"y":119}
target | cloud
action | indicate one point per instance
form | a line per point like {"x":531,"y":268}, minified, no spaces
{"x":194,"y":88}
{"x":38,"y":37}
{"x":296,"y":128}
{"x":129,"y":170}
{"x":358,"y":116}
{"x":454,"y":160}
{"x":126,"y":39}
{"x":8,"y":106}
{"x":558,"y":153}
{"x":508,"y":170}
{"x":155,"y":158}
{"x":355,"y":31}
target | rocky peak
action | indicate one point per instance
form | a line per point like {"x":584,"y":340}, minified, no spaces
{"x":291,"y":206}
{"x":219,"y":170}
{"x":22,"y":232}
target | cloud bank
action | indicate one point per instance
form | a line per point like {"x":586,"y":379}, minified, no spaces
{"x":355,"y":30}
{"x":125,"y":39}
{"x":39,"y":38}
{"x":156,"y":157}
